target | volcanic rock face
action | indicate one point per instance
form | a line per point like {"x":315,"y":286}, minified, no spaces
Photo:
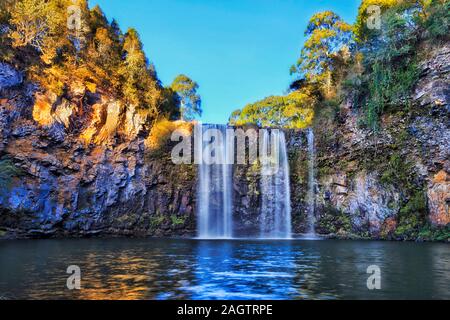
{"x":381,"y":185}
{"x":9,"y":77}
{"x":80,"y":165}
{"x":68,"y":170}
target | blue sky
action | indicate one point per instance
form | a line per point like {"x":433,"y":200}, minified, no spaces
{"x":239,"y":51}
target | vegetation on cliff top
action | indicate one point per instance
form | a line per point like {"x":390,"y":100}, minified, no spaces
{"x":65,"y":46}
{"x":373,"y":62}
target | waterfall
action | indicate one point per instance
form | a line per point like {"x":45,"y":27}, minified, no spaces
{"x":215,"y":183}
{"x":311,"y":196}
{"x":275,"y":217}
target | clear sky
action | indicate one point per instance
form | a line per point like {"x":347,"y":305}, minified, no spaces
{"x":239,"y":51}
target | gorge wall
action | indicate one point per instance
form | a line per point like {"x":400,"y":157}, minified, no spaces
{"x":393,"y":184}
{"x":68,"y":170}
{"x":82,"y":166}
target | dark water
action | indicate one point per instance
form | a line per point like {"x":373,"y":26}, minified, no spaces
{"x":191,"y":269}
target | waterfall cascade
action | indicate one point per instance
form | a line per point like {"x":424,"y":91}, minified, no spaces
{"x":311,"y":196}
{"x":215,"y":184}
{"x":275,"y":218}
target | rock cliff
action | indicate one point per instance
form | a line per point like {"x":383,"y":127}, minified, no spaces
{"x":393,"y":184}
{"x":81,"y":165}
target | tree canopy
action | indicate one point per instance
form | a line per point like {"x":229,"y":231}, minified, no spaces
{"x":327,"y":34}
{"x":67,"y":45}
{"x":295,"y":110}
{"x":373,"y":68}
{"x":190,"y":100}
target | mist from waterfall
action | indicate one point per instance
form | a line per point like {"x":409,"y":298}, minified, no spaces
{"x":215,"y":207}
{"x":311,"y":195}
{"x":275,"y":216}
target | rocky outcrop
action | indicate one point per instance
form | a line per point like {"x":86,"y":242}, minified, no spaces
{"x":78,"y":174}
{"x":82,"y":165}
{"x":9,"y":76}
{"x":394,"y":183}
{"x":439,"y":198}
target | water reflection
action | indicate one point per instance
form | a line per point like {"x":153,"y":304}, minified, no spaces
{"x":239,"y":270}
{"x":192,"y":269}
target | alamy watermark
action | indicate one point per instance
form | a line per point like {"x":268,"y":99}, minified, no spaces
{"x":74,"y":16}
{"x":373,"y":17}
{"x":74,"y":280}
{"x":212,"y":146}
{"x":374,"y":280}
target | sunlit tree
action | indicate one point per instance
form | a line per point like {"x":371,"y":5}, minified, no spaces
{"x":326,"y":34}
{"x":295,"y":110}
{"x":140,"y":87}
{"x":190,"y":100}
{"x":30,"y":23}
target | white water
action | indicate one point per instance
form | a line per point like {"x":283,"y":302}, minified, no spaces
{"x":215,"y":207}
{"x":275,"y":217}
{"x":215,"y":185}
{"x":311,"y":195}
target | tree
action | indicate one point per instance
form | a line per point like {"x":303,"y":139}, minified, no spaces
{"x":140,"y":87}
{"x":295,"y":110}
{"x":44,"y":26}
{"x":71,"y":50}
{"x":327,"y":35}
{"x":190,"y":100}
{"x":170,"y":107}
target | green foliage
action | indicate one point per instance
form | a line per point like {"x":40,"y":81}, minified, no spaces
{"x":361,"y":30}
{"x":398,"y":172}
{"x":328,"y":36}
{"x":61,"y":51}
{"x":391,"y":68}
{"x":390,"y":54}
{"x":432,"y":233}
{"x":6,"y":50}
{"x":388,"y":86}
{"x":190,"y":100}
{"x":436,"y":20}
{"x":156,"y":221}
{"x":412,"y":216}
{"x":295,"y":110}
{"x":5,"y":11}
{"x":334,"y":221}
{"x":170,"y":107}
{"x":177,"y":221}
{"x":140,"y":87}
{"x":8,"y":171}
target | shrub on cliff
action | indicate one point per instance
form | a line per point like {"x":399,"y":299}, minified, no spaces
{"x":161,"y":133}
{"x":8,"y":171}
{"x":436,"y":20}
